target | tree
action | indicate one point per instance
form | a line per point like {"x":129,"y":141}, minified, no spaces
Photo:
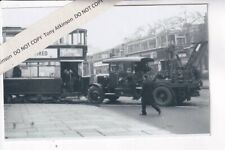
{"x":182,"y":23}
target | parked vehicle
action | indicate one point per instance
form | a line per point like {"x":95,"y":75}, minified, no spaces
{"x":174,"y":84}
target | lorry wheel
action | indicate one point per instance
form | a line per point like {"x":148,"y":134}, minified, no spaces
{"x":95,"y":95}
{"x":163,"y":96}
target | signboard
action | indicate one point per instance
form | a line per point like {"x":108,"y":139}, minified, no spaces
{"x":47,"y":53}
{"x":71,"y":52}
{"x":98,"y":64}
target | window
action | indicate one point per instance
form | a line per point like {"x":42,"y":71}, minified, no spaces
{"x":152,"y":43}
{"x":180,"y":41}
{"x":66,"y":40}
{"x":163,"y":41}
{"x":137,"y":47}
{"x":78,"y":38}
{"x":171,"y":39}
{"x":130,"y":48}
{"x":45,"y":69}
{"x":49,"y":69}
{"x":144,"y":45}
{"x":159,"y":45}
{"x":7,"y":38}
{"x":86,"y":69}
{"x":61,"y":40}
{"x":71,"y":52}
{"x":29,"y":69}
{"x":75,"y":38}
{"x":105,"y":56}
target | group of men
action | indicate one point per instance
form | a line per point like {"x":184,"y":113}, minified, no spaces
{"x":71,"y":80}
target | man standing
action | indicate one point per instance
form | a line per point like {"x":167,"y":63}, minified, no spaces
{"x":68,"y":83}
{"x":146,"y":95}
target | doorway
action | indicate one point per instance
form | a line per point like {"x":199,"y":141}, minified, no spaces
{"x":71,"y":77}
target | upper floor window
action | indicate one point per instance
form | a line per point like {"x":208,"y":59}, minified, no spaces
{"x":66,"y":40}
{"x":75,"y":38}
{"x":152,"y":43}
{"x":78,"y":38}
{"x":180,"y":41}
{"x":163,"y":41}
{"x":144,"y":45}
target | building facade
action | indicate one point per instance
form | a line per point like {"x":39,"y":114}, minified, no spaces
{"x":157,"y":47}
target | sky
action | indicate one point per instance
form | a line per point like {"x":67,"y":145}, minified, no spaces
{"x":107,"y":30}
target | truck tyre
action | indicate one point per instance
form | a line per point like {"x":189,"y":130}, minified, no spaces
{"x":95,"y":95}
{"x":163,"y":96}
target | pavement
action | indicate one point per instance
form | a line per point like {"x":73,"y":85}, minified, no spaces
{"x":75,"y":119}
{"x":71,"y":120}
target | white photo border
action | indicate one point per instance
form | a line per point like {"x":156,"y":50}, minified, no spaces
{"x":216,"y":24}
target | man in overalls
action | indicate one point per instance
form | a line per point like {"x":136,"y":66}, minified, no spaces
{"x":147,"y":96}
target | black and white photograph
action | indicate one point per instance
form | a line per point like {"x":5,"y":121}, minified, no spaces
{"x":134,"y":71}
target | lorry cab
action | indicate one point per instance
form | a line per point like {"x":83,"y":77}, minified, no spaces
{"x":124,"y":79}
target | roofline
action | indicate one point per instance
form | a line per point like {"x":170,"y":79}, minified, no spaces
{"x":128,"y":59}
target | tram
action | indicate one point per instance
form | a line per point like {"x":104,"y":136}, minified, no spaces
{"x":57,"y":71}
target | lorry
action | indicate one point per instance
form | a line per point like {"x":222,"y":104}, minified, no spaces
{"x":173,"y":84}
